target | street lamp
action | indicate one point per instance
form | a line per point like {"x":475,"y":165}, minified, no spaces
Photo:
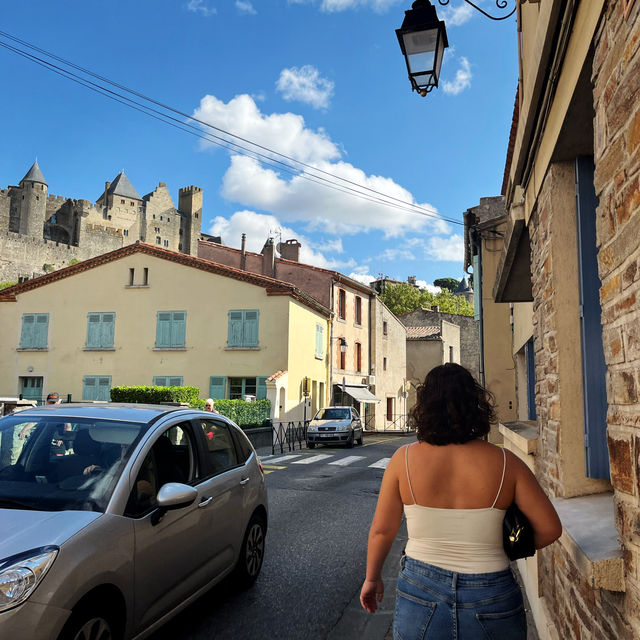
{"x":423,"y":39}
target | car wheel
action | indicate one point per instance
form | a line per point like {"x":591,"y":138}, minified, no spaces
{"x":349,"y":444}
{"x":89,"y":623}
{"x":251,"y":553}
{"x":311,"y":445}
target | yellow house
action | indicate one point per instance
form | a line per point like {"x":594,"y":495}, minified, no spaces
{"x":144,"y":315}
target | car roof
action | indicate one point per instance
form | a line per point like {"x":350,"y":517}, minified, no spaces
{"x":129,"y":412}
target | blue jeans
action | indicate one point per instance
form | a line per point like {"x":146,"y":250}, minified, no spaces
{"x":437,"y":604}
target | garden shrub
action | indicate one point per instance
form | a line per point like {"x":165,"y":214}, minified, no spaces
{"x":155,"y":395}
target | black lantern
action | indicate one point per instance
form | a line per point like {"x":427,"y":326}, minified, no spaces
{"x":423,"y":39}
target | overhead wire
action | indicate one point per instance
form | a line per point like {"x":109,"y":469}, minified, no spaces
{"x":375,"y":197}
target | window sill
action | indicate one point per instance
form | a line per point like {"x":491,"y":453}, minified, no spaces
{"x":242,"y":348}
{"x":590,"y":538}
{"x":522,"y":435}
{"x":136,"y":286}
{"x":169,"y":349}
{"x":32,"y":349}
{"x":99,"y":349}
{"x":358,"y":325}
{"x":339,"y":319}
{"x":319,"y":357}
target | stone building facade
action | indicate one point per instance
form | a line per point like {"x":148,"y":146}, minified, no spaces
{"x":570,"y":269}
{"x":41,"y":232}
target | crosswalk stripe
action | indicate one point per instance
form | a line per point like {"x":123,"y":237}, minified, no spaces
{"x":311,"y":459}
{"x":273,"y":467}
{"x":380,"y":464}
{"x":283,"y":458}
{"x":343,"y":462}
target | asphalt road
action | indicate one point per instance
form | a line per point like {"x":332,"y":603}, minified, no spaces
{"x":321,"y":503}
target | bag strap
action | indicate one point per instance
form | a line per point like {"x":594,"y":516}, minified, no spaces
{"x":406,"y":461}
{"x":504,"y":468}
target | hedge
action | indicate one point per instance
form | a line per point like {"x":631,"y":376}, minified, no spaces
{"x":243,"y":413}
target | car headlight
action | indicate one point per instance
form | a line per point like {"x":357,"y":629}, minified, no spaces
{"x":21,"y":574}
{"x":345,"y":427}
{"x":312,"y":428}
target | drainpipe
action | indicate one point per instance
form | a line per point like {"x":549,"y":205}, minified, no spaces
{"x":477,"y":286}
{"x":331,"y":345}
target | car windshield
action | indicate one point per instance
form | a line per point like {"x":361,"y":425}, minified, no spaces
{"x":333,"y":414}
{"x":55,"y":463}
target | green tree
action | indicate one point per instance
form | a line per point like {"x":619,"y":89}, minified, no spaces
{"x":403,"y":298}
{"x":451,"y":284}
{"x":4,"y":285}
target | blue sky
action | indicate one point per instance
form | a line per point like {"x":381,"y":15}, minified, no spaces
{"x":322,"y":81}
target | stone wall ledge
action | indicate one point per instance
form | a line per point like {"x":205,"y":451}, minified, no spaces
{"x":590,"y":538}
{"x":523,"y":435}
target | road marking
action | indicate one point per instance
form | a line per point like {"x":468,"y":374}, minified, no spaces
{"x":381,"y":440}
{"x":311,"y":459}
{"x":283,"y":458}
{"x":273,"y":467}
{"x":381,"y":464}
{"x":347,"y":461}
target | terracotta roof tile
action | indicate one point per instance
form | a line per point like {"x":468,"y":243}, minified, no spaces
{"x":422,"y":333}
{"x":276,"y":375}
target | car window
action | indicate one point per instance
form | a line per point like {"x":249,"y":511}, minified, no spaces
{"x":333,"y":413}
{"x":355,"y":414}
{"x":243,"y":445}
{"x":222,"y":452}
{"x":172,"y":458}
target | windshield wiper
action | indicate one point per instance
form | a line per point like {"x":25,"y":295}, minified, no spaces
{"x":15,"y":504}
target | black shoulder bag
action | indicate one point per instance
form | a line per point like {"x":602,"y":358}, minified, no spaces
{"x":517,"y":534}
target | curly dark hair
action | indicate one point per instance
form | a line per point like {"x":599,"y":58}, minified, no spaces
{"x":452,"y":408}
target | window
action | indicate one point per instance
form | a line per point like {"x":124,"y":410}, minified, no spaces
{"x":168,"y":219}
{"x":181,"y":231}
{"x":450,"y":354}
{"x":358,"y":319}
{"x":358,"y":357}
{"x":342,"y":353}
{"x":121,"y":201}
{"x":180,"y":246}
{"x":319,"y":341}
{"x":145,"y":280}
{"x":166,"y":243}
{"x":243,"y":328}
{"x":132,"y":273}
{"x":241,"y":387}
{"x":31,"y":388}
{"x":156,"y":229}
{"x":390,"y":406}
{"x":385,"y":328}
{"x":220,"y":448}
{"x":160,"y":217}
{"x":35,"y":328}
{"x":96,"y":388}
{"x":531,"y":379}
{"x":384,"y":364}
{"x":132,"y":204}
{"x":158,"y":240}
{"x":125,"y":232}
{"x":167,"y":381}
{"x":100,"y":330}
{"x":342,"y":304}
{"x":171,"y":329}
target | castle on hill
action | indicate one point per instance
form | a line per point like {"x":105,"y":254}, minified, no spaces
{"x":40,"y":232}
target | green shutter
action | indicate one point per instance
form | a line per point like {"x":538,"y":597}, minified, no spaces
{"x":217,"y":387}
{"x":108,"y":330}
{"x":234,"y":337}
{"x":250,"y":329}
{"x":89,"y":391}
{"x":94,"y":338}
{"x":42,"y":329}
{"x":160,"y":381}
{"x":27,"y":337}
{"x":163,"y":329}
{"x":175,"y":381}
{"x":103,"y":391}
{"x":178,"y":328}
{"x":261,"y":387}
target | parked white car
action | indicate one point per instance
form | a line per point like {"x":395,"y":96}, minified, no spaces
{"x":333,"y":425}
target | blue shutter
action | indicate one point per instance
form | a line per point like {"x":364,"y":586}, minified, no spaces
{"x":531,"y":379}
{"x":175,"y":381}
{"x":42,"y":330}
{"x":261,"y":388}
{"x":250,"y":329}
{"x":217,"y":387}
{"x":594,"y":368}
{"x":89,"y":388}
{"x":234,"y":338}
{"x":159,"y":381}
{"x":94,"y":326}
{"x":108,"y":330}
{"x":178,"y":328}
{"x":103,"y":388}
{"x":27,"y":337}
{"x":163,"y":329}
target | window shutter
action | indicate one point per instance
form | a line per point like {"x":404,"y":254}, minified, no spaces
{"x":108,"y":330}
{"x":250,"y":333}
{"x":27,"y":337}
{"x":175,"y":381}
{"x":103,"y":391}
{"x":261,"y":388}
{"x":234,"y":338}
{"x":42,"y":329}
{"x":160,"y":381}
{"x":217,"y":387}
{"x":319,"y":332}
{"x":178,"y":329}
{"x":163,"y":329}
{"x":89,"y":388}
{"x":94,"y":337}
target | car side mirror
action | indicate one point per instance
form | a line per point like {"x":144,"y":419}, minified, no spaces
{"x":173,"y":495}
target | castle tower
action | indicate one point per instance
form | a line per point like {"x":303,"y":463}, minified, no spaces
{"x":190,"y":206}
{"x":33,"y":205}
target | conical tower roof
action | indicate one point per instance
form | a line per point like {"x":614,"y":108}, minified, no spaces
{"x":122,"y":187}
{"x":34,"y":174}
{"x":464,"y":286}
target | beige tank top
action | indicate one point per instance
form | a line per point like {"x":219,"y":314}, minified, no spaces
{"x":460,"y":540}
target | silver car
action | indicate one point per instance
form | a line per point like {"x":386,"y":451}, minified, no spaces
{"x":115,"y":517}
{"x":335,"y":425}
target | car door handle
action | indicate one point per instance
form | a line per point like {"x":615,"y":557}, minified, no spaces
{"x":205,"y":501}
{"x":244,"y":481}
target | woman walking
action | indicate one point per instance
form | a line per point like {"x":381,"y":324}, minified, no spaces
{"x":454,"y":489}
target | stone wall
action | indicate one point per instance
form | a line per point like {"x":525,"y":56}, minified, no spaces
{"x":616,"y":76}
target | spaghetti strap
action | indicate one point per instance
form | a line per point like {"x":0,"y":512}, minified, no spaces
{"x":406,"y":461}
{"x":504,"y":468}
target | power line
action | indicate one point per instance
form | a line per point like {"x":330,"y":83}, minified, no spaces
{"x":376,"y":197}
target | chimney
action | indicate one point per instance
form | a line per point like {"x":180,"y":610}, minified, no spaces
{"x":412,"y":280}
{"x":243,"y":254}
{"x":290,"y":250}
{"x":269,"y":259}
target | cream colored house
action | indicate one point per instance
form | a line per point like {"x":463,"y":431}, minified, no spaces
{"x":144,"y":315}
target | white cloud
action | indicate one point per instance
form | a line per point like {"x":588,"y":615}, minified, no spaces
{"x":447,"y":249}
{"x":292,"y":198}
{"x":423,"y":284}
{"x":258,"y":227}
{"x":201,"y":7}
{"x":456,"y":16}
{"x":245,"y":7}
{"x":362,"y":277}
{"x":462,"y":80}
{"x":305,"y":84}
{"x":379,"y":6}
{"x":391,"y":255}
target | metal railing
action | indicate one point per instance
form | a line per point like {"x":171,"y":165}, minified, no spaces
{"x":397,"y":422}
{"x":288,"y":435}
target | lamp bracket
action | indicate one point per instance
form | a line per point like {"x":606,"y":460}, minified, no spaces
{"x":503,"y":5}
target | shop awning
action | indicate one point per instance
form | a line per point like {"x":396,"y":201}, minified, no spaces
{"x":361,"y":394}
